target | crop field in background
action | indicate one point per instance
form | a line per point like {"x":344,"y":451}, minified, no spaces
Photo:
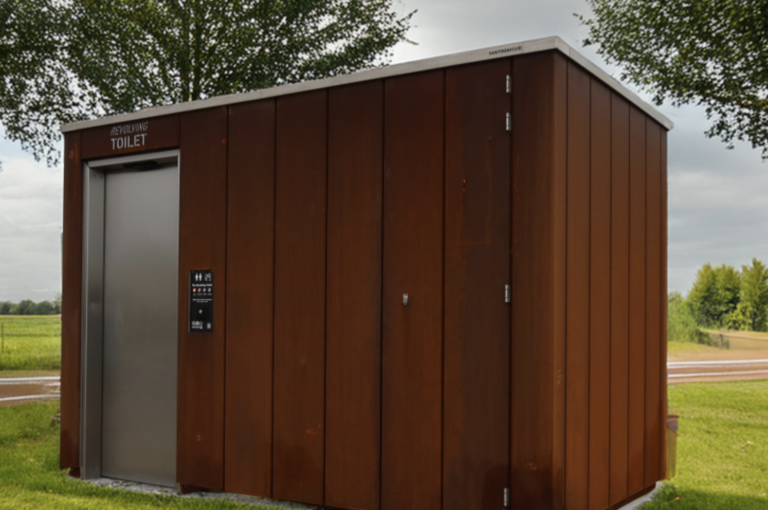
{"x":31,"y":342}
{"x":745,"y":340}
{"x":722,"y":449}
{"x":675,"y":349}
{"x":742,"y":345}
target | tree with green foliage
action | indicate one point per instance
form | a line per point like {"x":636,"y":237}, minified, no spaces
{"x":707,"y":52}
{"x":753,"y":308}
{"x":703,"y":295}
{"x":7,"y":308}
{"x":715,"y":294}
{"x":29,"y":307}
{"x":681,"y":324}
{"x":63,"y":61}
{"x":44,"y":308}
{"x":728,"y":291}
{"x":26,"y":307}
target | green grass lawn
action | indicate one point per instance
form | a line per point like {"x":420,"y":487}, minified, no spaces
{"x":31,"y":342}
{"x":722,"y":449}
{"x":30,"y":477}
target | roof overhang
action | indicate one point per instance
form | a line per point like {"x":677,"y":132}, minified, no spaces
{"x":506,"y":50}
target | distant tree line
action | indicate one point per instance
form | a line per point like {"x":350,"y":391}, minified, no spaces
{"x":722,"y":297}
{"x":29,"y":307}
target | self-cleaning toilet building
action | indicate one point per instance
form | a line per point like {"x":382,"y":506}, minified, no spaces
{"x":434,"y":285}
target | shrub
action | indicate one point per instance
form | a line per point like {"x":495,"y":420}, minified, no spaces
{"x":681,"y":323}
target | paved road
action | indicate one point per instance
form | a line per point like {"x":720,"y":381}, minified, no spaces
{"x":26,"y":389}
{"x":718,"y":370}
{"x":20,"y":390}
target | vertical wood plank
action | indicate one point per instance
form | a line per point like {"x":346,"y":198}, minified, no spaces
{"x":71,"y":312}
{"x":300,"y":284}
{"x":353,"y":398}
{"x":663,"y":331}
{"x":619,"y":297}
{"x":413,"y":264}
{"x":578,"y":291}
{"x":637,"y":293}
{"x":477,"y":266}
{"x":250,"y":287}
{"x":533,"y":223}
{"x":600,"y":298}
{"x":202,"y":245}
{"x":653,"y":303}
{"x":559,"y":271}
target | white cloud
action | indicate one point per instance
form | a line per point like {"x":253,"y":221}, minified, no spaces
{"x":30,"y":227}
{"x":718,"y":199}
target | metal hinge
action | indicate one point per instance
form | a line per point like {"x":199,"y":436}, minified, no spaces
{"x":509,"y":122}
{"x":509,"y":84}
{"x":507,"y":294}
{"x":506,"y":498}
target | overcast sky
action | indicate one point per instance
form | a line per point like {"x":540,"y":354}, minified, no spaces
{"x":718,"y":199}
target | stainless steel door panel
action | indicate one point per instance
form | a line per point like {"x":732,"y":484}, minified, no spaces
{"x":140,"y":325}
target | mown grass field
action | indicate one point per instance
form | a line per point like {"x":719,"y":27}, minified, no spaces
{"x":30,"y":477}
{"x":722,"y":449}
{"x":31,"y":342}
{"x":722,"y":457}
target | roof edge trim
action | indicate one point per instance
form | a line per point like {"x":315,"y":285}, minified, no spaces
{"x":467,"y":57}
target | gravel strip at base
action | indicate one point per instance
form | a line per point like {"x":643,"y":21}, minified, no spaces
{"x":167,"y":491}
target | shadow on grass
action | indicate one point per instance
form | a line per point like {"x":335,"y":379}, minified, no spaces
{"x":694,"y":499}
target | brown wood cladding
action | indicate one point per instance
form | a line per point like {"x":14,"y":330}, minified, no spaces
{"x":477,"y":264}
{"x":577,"y":293}
{"x":637,"y":282}
{"x":202,"y":245}
{"x":250,"y":290}
{"x":412,"y":351}
{"x":300,"y":294}
{"x":71,"y":312}
{"x":663,"y":325}
{"x":619,"y":297}
{"x":533,"y":377}
{"x":318,"y":211}
{"x":619,"y":291}
{"x":142,"y":136}
{"x":652,"y":303}
{"x":600,"y":298}
{"x":353,"y":351}
{"x":559,"y":271}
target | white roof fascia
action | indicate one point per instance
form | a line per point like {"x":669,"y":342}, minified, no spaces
{"x":506,"y":50}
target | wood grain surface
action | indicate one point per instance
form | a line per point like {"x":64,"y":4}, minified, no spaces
{"x":353,"y":392}
{"x":619,"y":298}
{"x":202,"y":246}
{"x":412,"y":334}
{"x":600,"y":298}
{"x":71,"y":299}
{"x":250,"y":303}
{"x":477,"y":266}
{"x":300,"y":294}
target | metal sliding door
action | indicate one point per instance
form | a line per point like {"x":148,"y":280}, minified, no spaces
{"x":139,"y":337}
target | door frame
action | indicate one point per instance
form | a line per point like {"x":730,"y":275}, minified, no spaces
{"x":92,"y":320}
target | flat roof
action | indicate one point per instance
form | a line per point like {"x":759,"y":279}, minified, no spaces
{"x":506,"y":50}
